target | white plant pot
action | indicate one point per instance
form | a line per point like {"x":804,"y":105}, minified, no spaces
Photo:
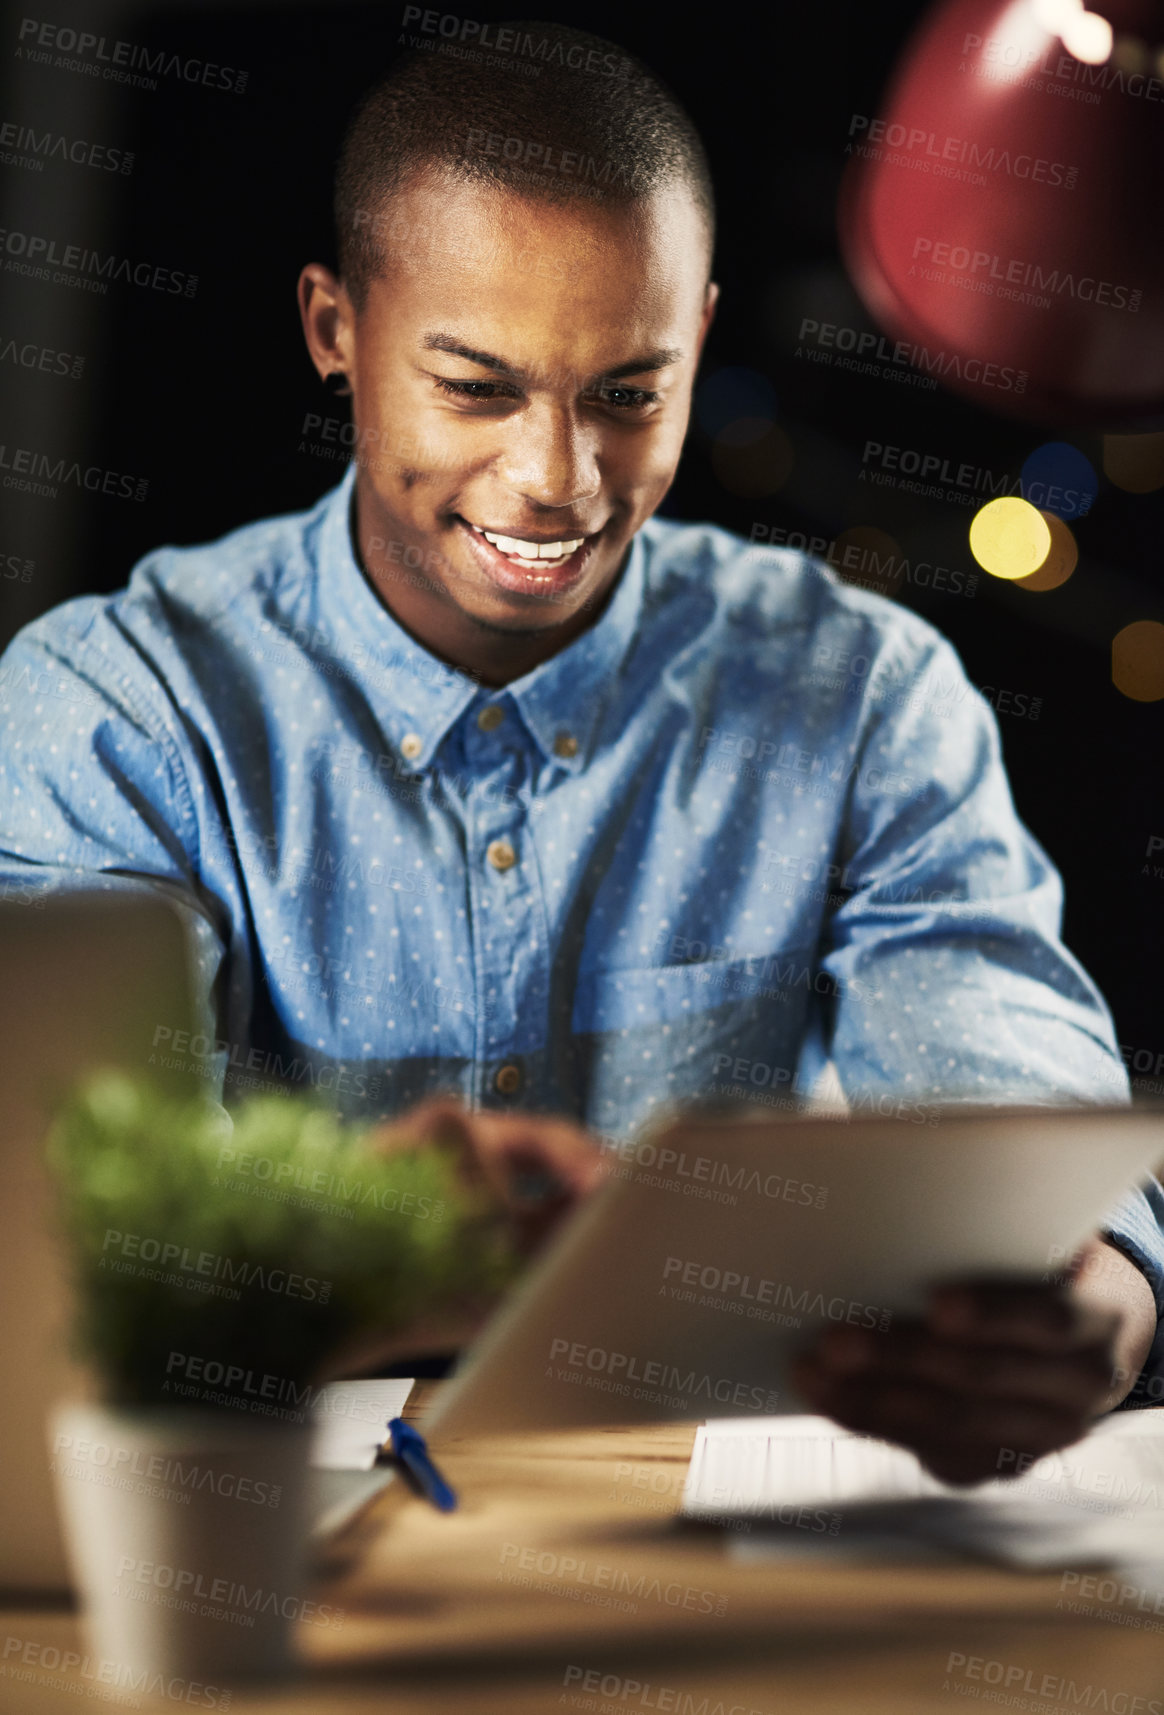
{"x":186,"y":1532}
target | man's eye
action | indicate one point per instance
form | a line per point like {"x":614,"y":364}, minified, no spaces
{"x":626,"y":398}
{"x":474,"y":389}
{"x":618,"y":398}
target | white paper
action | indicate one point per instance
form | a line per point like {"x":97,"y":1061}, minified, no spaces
{"x":351,"y":1422}
{"x":803,"y":1485}
{"x":334,"y":1497}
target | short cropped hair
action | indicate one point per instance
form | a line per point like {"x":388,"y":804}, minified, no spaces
{"x":543,"y":110}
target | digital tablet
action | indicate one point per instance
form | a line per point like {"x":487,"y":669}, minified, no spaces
{"x":718,"y":1247}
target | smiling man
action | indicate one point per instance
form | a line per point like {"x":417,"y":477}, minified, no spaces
{"x":545,"y":417}
{"x":484,"y":788}
{"x":531,"y":345}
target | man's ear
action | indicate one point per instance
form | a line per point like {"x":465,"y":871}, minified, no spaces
{"x":328,"y":319}
{"x":710,"y":301}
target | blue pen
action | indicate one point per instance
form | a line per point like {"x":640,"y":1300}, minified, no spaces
{"x":408,"y":1446}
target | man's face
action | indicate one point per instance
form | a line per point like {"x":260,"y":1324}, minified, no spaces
{"x":521,"y":376}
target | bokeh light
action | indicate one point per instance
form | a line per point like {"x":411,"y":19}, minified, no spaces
{"x":1134,"y":463}
{"x":1088,"y":37}
{"x":1010,"y":538}
{"x":1060,"y":562}
{"x":752,"y":457}
{"x":1058,"y":478}
{"x":1055,"y":15}
{"x":870,"y":558}
{"x":1137,"y":661}
{"x":730,"y":393}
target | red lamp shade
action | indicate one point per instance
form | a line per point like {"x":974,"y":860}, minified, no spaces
{"x":1004,"y":212}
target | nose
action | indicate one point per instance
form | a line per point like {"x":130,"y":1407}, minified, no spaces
{"x":550,"y":458}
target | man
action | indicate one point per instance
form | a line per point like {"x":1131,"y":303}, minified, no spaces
{"x":454,"y":774}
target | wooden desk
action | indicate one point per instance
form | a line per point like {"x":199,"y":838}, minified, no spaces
{"x":563,"y":1579}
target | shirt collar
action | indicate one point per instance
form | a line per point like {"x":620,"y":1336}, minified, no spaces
{"x":563,"y":699}
{"x":419,"y":697}
{"x":415,"y":696}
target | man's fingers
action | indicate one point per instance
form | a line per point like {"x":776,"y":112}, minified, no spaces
{"x":495,"y":1146}
{"x":432,"y":1117}
{"x":536,"y":1144}
{"x":995,"y":1368}
{"x":1077,"y":1380}
{"x":1033,"y":1316}
{"x":533,"y":1167}
{"x":959,"y":1438}
{"x":436,"y":1119}
{"x":541,"y":1168}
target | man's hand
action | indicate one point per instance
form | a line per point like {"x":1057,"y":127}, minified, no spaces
{"x":535,"y":1167}
{"x":1104,"y":1277}
{"x":993,"y":1372}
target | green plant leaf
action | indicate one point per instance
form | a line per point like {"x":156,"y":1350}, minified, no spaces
{"x":258,"y":1241}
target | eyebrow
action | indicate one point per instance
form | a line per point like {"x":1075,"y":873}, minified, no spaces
{"x":647,"y":364}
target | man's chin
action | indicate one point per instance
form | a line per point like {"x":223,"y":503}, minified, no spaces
{"x":524,"y":624}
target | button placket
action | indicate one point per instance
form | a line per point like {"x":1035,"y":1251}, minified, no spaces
{"x":510,"y":936}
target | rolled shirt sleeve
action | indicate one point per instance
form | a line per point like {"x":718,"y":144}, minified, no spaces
{"x":952,"y":981}
{"x":1136,"y":1227}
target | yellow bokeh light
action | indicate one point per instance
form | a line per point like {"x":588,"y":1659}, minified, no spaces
{"x":1134,"y":463}
{"x":1137,"y":661}
{"x":1060,"y":562}
{"x":1010,"y":538}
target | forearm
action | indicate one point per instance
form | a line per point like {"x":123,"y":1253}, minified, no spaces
{"x":1111,"y":1282}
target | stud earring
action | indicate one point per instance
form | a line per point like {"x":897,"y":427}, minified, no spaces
{"x":336,"y":384}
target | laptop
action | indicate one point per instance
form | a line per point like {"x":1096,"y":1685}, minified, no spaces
{"x":95,"y":980}
{"x":87,"y":980}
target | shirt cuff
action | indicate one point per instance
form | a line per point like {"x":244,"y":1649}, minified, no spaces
{"x":1136,"y":1227}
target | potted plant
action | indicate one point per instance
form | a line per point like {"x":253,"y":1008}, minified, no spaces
{"x":221,"y":1263}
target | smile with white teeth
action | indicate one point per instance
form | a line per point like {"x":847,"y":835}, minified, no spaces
{"x":531,"y":556}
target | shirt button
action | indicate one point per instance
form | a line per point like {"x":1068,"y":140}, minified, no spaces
{"x":508,"y":1080}
{"x":501,"y":854}
{"x":411,"y":745}
{"x":491,"y":717}
{"x":565,"y":744}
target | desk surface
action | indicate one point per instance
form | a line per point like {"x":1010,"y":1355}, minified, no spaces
{"x":563,"y":1580}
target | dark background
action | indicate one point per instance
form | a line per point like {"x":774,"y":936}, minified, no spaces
{"x":207,"y":397}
